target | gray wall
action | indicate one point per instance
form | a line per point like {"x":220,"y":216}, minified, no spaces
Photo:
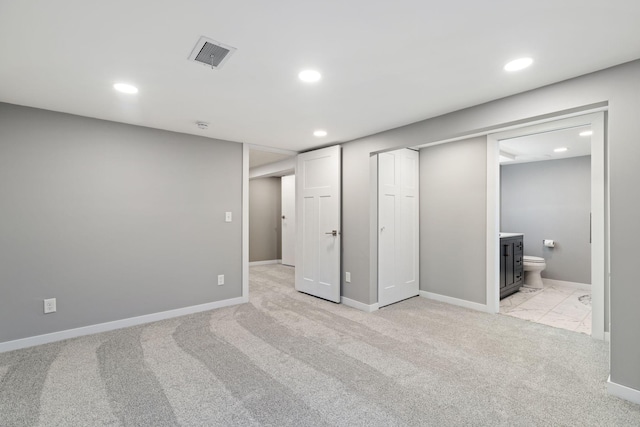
{"x":616,"y":87}
{"x":113,"y":220}
{"x":453,"y":219}
{"x":551,"y":200}
{"x":265,"y":212}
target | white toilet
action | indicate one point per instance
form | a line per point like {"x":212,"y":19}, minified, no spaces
{"x":533,"y":266}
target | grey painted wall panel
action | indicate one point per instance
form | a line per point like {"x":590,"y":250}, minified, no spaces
{"x":265,"y":212}
{"x":551,"y":200}
{"x":453,"y":218}
{"x":624,"y":158}
{"x":619,"y":88}
{"x":113,"y":220}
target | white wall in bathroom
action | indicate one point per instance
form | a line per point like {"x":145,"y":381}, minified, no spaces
{"x":551,"y":200}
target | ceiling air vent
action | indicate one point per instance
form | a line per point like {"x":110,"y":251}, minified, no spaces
{"x":211,"y":53}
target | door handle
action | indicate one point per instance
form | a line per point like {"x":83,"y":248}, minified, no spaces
{"x":283,"y":217}
{"x":333,"y":233}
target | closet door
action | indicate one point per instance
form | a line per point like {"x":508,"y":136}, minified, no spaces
{"x":398,"y":229}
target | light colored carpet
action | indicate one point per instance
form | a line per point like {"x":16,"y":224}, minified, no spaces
{"x":288,"y":359}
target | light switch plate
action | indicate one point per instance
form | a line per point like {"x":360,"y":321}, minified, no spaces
{"x":49,"y":305}
{"x":227,"y":216}
{"x":347,"y":277}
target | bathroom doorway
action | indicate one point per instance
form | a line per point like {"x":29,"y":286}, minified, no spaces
{"x":545,"y":194}
{"x":567,"y":157}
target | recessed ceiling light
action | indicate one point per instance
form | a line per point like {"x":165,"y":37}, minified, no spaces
{"x":309,"y":76}
{"x":560,"y":149}
{"x":518,"y":64}
{"x":320,"y":133}
{"x":125,"y":88}
{"x":586,"y":133}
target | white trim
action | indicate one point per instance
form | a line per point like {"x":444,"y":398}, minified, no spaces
{"x":607,"y":336}
{"x":623,"y":392}
{"x":576,"y":285}
{"x":373,"y":227}
{"x":359,"y":305}
{"x":455,"y":301}
{"x":116,"y":324}
{"x":270,"y":149}
{"x":499,"y":129}
{"x":267,"y":262}
{"x":493,"y":225}
{"x":599,"y":262}
{"x":279,"y":168}
{"x":599,"y":227}
{"x":245,"y":221}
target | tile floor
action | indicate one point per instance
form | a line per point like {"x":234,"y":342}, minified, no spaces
{"x":565,"y":306}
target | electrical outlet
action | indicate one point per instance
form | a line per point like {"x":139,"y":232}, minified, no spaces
{"x":220,"y":279}
{"x":49,"y":305}
{"x":227,"y":216}
{"x":347,"y":277}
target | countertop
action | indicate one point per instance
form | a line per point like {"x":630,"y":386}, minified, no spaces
{"x":510,"y":234}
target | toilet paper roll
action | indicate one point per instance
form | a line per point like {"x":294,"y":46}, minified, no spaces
{"x":549,"y":243}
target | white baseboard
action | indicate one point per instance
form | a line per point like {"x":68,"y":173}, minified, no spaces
{"x":270,"y":261}
{"x":359,"y":305}
{"x":582,"y":286}
{"x":623,"y":392}
{"x":455,"y":301}
{"x":116,"y":324}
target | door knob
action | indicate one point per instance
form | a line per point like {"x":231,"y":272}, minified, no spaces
{"x":282,"y":216}
{"x":333,"y":233}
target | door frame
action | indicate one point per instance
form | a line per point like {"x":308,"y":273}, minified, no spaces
{"x":245,"y":222}
{"x":290,"y":224}
{"x":599,"y":206}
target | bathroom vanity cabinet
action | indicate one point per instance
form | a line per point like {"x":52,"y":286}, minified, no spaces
{"x":511,"y":267}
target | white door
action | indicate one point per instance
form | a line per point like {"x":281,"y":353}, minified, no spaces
{"x":289,"y":220}
{"x":398,"y":239}
{"x":318,"y":223}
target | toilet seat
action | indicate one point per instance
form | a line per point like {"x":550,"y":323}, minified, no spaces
{"x":532,"y":259}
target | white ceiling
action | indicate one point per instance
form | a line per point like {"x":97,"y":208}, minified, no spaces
{"x":384,"y":63}
{"x":541,"y":146}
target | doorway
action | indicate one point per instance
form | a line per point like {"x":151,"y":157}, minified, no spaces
{"x":262,"y":215}
{"x":598,"y":206}
{"x":545,"y":193}
{"x":314,"y":223}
